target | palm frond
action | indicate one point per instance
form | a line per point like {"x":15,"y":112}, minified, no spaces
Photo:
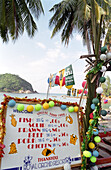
{"x":16,"y":16}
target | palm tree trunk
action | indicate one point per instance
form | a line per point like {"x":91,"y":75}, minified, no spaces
{"x":91,"y":95}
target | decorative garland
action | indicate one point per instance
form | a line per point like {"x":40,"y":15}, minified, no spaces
{"x":89,"y":146}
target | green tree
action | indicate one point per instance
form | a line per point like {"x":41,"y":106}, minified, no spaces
{"x":107,"y":87}
{"x":91,"y":18}
{"x":17,"y":16}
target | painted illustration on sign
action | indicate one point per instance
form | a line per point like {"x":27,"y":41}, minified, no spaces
{"x":13,"y":120}
{"x":40,"y":138}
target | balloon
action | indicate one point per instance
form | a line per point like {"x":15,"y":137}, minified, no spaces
{"x":108,"y":55}
{"x":103,"y":49}
{"x":20,"y":107}
{"x":97,"y":139}
{"x":103,"y":69}
{"x":38,"y":107}
{"x":71,"y":109}
{"x":30,"y":108}
{"x":69,"y":87}
{"x":11,"y":103}
{"x":95,"y":101}
{"x":103,"y":112}
{"x":93,"y":106}
{"x":95,"y":131}
{"x":83,"y":84}
{"x":45,"y":105}
{"x":93,"y":159}
{"x":91,"y":121}
{"x":85,"y":91}
{"x":103,"y":57}
{"x":63,"y":107}
{"x":91,"y":145}
{"x":91,"y":115}
{"x":95,"y":153}
{"x":51,"y":104}
{"x":87,"y":154}
{"x":76,"y":109}
{"x":102,"y":79}
{"x":80,"y":91}
{"x":99,"y":90}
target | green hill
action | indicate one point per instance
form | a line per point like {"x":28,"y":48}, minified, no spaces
{"x":13,"y":83}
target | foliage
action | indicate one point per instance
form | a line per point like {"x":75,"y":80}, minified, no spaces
{"x":107,"y":87}
{"x":13,"y":83}
{"x":83,"y":16}
{"x":17,"y":16}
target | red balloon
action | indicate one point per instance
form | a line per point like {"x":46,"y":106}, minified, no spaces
{"x":83,"y":84}
{"x":80,"y":91}
{"x":91,"y":115}
{"x":85,"y":91}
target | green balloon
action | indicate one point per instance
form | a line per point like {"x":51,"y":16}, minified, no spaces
{"x":38,"y":107}
{"x":71,"y":109}
{"x":95,"y":101}
{"x":20,"y":107}
{"x":103,"y":49}
{"x":103,"y":112}
{"x":97,"y":139}
{"x":102,"y":79}
{"x":87,"y":154}
{"x":93,"y":159}
{"x":51,"y":104}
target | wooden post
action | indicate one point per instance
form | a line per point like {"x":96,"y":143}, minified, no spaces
{"x":48,"y":87}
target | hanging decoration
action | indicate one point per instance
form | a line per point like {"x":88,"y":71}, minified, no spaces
{"x":64,"y":77}
{"x":92,"y":138}
{"x":61,"y":75}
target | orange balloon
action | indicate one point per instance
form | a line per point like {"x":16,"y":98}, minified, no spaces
{"x":30,"y":108}
{"x":45,"y":105}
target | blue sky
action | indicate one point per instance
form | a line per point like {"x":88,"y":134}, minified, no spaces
{"x":34,"y":59}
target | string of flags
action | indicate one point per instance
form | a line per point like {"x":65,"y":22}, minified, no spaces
{"x":63,"y":77}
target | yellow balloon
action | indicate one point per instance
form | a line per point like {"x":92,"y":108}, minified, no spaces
{"x":90,"y":121}
{"x":45,"y":105}
{"x":76,"y":109}
{"x":30,"y":108}
{"x":91,"y":145}
{"x":69,"y":87}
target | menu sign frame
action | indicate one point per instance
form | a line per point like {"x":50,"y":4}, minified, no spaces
{"x":40,"y":140}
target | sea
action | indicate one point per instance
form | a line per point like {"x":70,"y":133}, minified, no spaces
{"x":60,"y":97}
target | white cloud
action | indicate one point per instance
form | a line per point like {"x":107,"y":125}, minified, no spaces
{"x":78,"y":37}
{"x":41,"y":45}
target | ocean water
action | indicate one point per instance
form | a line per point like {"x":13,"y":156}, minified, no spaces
{"x":60,"y":97}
